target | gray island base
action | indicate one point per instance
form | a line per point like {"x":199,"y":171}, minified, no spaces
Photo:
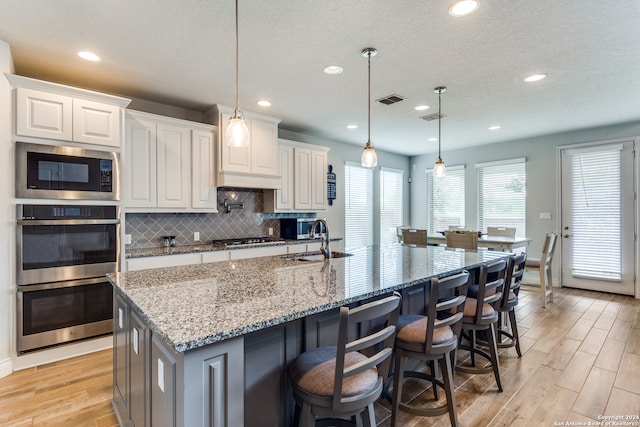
{"x":208,"y":344}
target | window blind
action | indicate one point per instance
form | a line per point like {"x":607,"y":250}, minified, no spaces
{"x":445,"y":199}
{"x":502,"y":193}
{"x":358,"y":206}
{"x":391,"y":181}
{"x":596,"y":233}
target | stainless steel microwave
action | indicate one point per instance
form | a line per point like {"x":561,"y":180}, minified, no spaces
{"x":57,"y":172}
{"x":296,"y":228}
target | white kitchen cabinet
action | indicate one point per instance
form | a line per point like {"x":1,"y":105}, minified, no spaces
{"x":53,"y":111}
{"x":258,"y":252}
{"x":254,"y":166}
{"x":215,"y":256}
{"x":304,"y":171}
{"x":169,"y":165}
{"x":174,"y":260}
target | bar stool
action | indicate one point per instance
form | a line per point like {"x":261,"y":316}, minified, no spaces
{"x":480,"y":315}
{"x":339,"y":382}
{"x":433,"y":337}
{"x":543,"y":265}
{"x":513,"y":281}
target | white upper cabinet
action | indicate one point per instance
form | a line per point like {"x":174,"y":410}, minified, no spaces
{"x":169,"y":165}
{"x":53,"y":111}
{"x":255,"y":166}
{"x":304,"y":179}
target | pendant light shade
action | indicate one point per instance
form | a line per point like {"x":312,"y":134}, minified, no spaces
{"x":369,"y":157}
{"x":237,"y":134}
{"x":439,"y":169}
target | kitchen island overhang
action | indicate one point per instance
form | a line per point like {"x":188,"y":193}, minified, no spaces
{"x":189,"y":313}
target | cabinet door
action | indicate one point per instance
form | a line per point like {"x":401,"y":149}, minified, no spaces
{"x":203,"y":190}
{"x":264,"y":148}
{"x":96,"y":123}
{"x":139,"y":377}
{"x":140,"y":163}
{"x":233,"y":159}
{"x":174,"y":161}
{"x":302,"y":181}
{"x":284,"y":196}
{"x":43,"y":115}
{"x":146,"y":263}
{"x":318,"y":180}
{"x":120,"y":355}
{"x":258,"y":252}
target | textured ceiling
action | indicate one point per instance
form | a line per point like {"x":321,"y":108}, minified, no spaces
{"x":182,"y":53}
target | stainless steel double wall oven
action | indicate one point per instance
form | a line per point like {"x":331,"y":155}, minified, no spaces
{"x":64,"y":250}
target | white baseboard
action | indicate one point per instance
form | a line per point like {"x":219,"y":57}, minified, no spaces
{"x":6,"y":367}
{"x":62,"y":352}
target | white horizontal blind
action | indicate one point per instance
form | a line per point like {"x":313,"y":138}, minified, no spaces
{"x":445,"y":199}
{"x":502,"y":193}
{"x":595,"y":209}
{"x":390,"y":205}
{"x":358,"y":206}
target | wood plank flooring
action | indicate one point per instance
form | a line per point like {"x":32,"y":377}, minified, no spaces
{"x":581,"y":360}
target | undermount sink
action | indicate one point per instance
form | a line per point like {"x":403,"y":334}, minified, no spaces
{"x":315,"y":256}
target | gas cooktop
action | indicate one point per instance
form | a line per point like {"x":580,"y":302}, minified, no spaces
{"x":253,"y":241}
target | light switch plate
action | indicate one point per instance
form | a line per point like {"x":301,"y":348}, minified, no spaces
{"x":127,"y":239}
{"x":196,"y":236}
{"x":545,"y":215}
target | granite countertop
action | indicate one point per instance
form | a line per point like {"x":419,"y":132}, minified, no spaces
{"x":207,"y":247}
{"x":196,"y":305}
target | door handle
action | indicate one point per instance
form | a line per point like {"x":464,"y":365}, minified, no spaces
{"x":566,"y":236}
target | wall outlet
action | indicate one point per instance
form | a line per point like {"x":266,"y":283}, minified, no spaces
{"x":270,"y":231}
{"x":196,"y":236}
{"x":127,"y":239}
{"x":545,"y":215}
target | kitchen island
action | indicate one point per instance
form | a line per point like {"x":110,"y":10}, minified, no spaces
{"x":209,"y":344}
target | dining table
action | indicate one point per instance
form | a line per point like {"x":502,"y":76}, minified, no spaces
{"x":502,"y":243}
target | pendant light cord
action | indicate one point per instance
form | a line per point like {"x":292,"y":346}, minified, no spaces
{"x":369,"y":100}
{"x":237,"y":78}
{"x":439,"y":121}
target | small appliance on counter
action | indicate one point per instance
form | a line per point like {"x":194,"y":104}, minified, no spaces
{"x":296,"y":228}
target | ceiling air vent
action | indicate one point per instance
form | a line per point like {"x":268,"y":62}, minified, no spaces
{"x":391,"y":99}
{"x":432,"y":117}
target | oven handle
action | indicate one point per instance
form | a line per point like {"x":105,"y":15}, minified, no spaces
{"x":60,"y":285}
{"x":67,"y":221}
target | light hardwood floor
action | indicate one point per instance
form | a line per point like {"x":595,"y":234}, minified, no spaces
{"x":581,"y":360}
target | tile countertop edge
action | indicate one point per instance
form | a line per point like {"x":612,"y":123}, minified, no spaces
{"x":268,"y":321}
{"x":208,"y":247}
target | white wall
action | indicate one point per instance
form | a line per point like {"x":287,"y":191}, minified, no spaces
{"x":340,"y":154}
{"x":6,"y":217}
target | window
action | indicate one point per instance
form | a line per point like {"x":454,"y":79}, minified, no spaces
{"x":358,"y":209}
{"x":391,"y":181}
{"x":445,"y":199}
{"x":502,"y":195}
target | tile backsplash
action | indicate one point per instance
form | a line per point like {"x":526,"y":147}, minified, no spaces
{"x":147,"y":229}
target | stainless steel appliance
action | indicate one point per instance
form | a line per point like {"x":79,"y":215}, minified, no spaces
{"x":63,"y":253}
{"x":248,"y":241}
{"x":55,"y":172}
{"x":296,"y":228}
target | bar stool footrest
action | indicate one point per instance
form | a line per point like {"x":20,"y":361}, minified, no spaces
{"x":414,"y":410}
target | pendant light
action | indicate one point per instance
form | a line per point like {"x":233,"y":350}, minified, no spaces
{"x":237,"y":131}
{"x":439,"y":170}
{"x":369,"y":157}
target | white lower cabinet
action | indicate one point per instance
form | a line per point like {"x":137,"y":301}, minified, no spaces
{"x":258,"y":252}
{"x":169,"y":165}
{"x":175,"y":260}
{"x":304,"y":179}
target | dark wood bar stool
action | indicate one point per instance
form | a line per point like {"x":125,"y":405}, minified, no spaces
{"x":509,"y":301}
{"x":480,"y":314}
{"x":431,"y":337}
{"x":339,"y":383}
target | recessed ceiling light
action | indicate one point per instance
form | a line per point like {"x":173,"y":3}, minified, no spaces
{"x":264,"y":103}
{"x":432,"y":139}
{"x":421,"y":107}
{"x":535,"y":77}
{"x":463,"y":7}
{"x":352,"y":126}
{"x":494,"y":127}
{"x":89,"y":56}
{"x":333,"y":69}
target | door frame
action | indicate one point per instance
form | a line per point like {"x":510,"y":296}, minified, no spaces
{"x":636,"y":205}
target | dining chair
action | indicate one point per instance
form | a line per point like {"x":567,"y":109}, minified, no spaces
{"x":414,"y":236}
{"x":468,"y":240}
{"x":543,"y":265}
{"x":340,"y":383}
{"x":431,"y":337}
{"x":501,"y":231}
{"x":480,"y":314}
